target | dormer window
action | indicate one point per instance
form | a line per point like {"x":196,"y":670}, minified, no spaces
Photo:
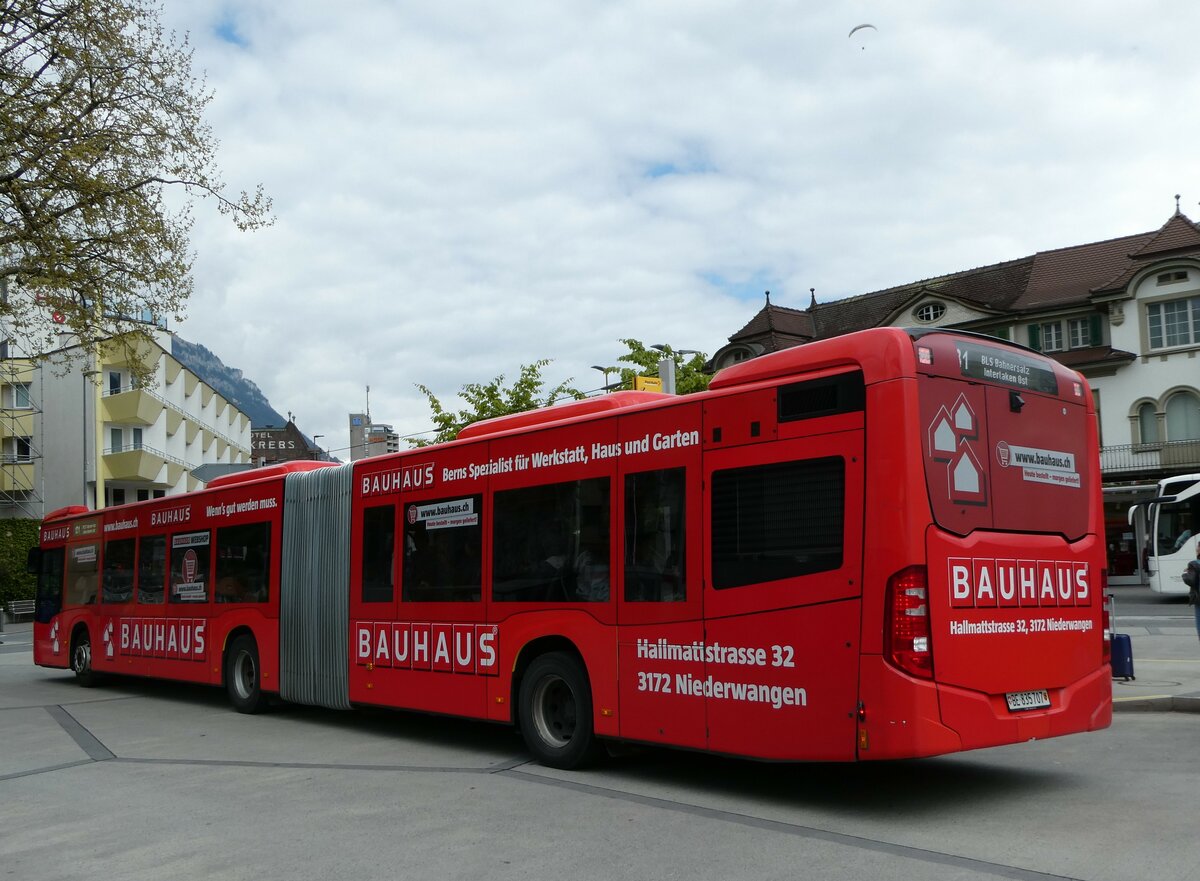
{"x":927,"y":312}
{"x":1175,"y":276}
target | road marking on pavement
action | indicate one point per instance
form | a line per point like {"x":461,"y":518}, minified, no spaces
{"x":858,"y":842}
{"x":82,"y":737}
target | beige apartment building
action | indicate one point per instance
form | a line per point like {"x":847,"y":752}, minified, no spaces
{"x":149,"y":438}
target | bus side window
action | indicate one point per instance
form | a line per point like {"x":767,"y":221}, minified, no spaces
{"x":550,"y":543}
{"x":243,"y":563}
{"x":777,"y":521}
{"x":49,"y":586}
{"x":82,"y":574}
{"x":152,"y":568}
{"x":443,"y":545}
{"x":117,"y":573}
{"x":378,"y":553}
{"x":654,"y":536}
{"x":189,"y":567}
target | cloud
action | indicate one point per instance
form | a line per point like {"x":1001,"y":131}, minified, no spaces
{"x":463,"y":188}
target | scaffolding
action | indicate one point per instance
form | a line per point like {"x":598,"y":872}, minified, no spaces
{"x":20,"y":433}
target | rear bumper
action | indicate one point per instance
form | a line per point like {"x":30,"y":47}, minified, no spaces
{"x":984,"y":720}
{"x":908,"y":718}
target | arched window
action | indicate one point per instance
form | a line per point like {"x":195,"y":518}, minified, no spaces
{"x":929,"y":312}
{"x":1183,"y":417}
{"x":1147,"y":423}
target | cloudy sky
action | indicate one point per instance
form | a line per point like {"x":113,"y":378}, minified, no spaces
{"x":463,"y":187}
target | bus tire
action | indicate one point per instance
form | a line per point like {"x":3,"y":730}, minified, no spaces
{"x":555,"y":712}
{"x":243,"y":676}
{"x":81,"y":660}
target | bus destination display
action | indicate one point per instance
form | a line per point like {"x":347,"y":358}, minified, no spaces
{"x":1005,"y":367}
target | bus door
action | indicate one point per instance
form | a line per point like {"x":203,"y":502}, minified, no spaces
{"x":116,"y":594}
{"x":374,"y":576}
{"x":783,"y":512}
{"x":430,"y":656}
{"x":81,"y":585}
{"x":149,"y":603}
{"x":659,"y":596}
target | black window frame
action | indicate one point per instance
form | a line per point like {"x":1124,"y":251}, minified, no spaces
{"x":116,"y":585}
{"x":443,"y":565}
{"x":540,"y":554}
{"x":243,"y":577}
{"x":378,"y":580}
{"x":758,"y":511}
{"x":151,"y":569}
{"x":655,"y":573}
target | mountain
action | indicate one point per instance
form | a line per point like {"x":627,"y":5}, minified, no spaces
{"x":229,"y":382}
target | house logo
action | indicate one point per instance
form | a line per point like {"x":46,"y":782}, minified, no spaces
{"x":952,"y":437}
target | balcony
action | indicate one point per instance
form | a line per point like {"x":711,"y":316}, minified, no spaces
{"x":130,"y":352}
{"x":1130,"y":461}
{"x":16,"y":475}
{"x":129,"y":404}
{"x":139,"y":462}
{"x":16,"y":422}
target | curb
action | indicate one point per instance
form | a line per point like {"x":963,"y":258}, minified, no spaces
{"x":1164,"y":704}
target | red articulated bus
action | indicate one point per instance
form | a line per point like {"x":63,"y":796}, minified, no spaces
{"x":889,"y":544}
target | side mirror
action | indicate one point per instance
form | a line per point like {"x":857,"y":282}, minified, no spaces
{"x":33,"y":561}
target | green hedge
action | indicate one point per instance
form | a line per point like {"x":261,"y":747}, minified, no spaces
{"x":17,"y":536}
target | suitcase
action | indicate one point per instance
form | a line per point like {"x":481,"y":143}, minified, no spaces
{"x":1122,"y":657}
{"x":1122,"y":647}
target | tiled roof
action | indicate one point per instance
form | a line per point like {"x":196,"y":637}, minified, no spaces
{"x":991,"y":288}
{"x":1092,"y":357}
{"x":1064,"y":277}
{"x":777,"y":320}
{"x":1067,"y":276}
{"x":1175,"y":234}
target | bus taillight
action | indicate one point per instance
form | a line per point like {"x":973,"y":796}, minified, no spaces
{"x":908,"y":639}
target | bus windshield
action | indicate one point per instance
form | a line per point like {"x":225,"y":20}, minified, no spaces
{"x":1177,"y":521}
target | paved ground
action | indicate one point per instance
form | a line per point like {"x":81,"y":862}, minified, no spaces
{"x":1166,"y":652}
{"x":143,"y":780}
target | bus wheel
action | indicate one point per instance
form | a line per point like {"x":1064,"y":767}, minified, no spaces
{"x":81,"y":660}
{"x":555,"y":709}
{"x":243,"y":676}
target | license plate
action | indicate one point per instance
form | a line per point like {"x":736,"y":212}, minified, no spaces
{"x":1027,"y":700}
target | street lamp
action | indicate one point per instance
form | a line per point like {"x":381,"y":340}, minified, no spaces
{"x":667,"y":350}
{"x":317,"y":437}
{"x":606,"y":371}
